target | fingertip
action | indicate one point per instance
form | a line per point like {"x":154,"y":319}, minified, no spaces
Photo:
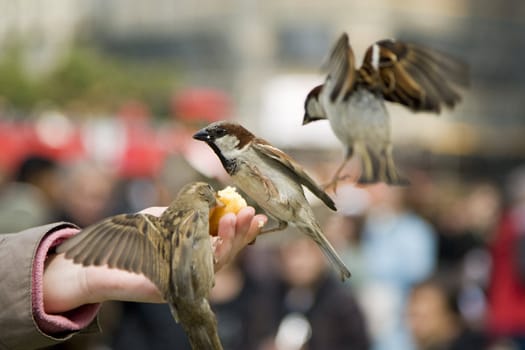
{"x":261,"y":218}
{"x":258,"y":222}
{"x":256,"y":225}
{"x":248,"y":211}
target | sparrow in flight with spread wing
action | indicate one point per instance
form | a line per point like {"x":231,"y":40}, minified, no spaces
{"x":272,"y":179}
{"x":174,"y":251}
{"x":352,"y":99}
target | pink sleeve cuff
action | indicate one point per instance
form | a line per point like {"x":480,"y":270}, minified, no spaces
{"x":70,"y":321}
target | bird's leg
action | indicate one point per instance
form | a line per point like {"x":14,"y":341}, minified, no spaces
{"x":383,"y":165}
{"x":366,"y":161}
{"x":280,"y":226}
{"x":393,"y":176}
{"x":336,"y":177}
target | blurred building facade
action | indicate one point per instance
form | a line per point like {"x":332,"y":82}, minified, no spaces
{"x":44,"y":31}
{"x":240,"y":46}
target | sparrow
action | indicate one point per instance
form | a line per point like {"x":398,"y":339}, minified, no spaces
{"x":174,"y":251}
{"x":272,"y":179}
{"x":353,"y":100}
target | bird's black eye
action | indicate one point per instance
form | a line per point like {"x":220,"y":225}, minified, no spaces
{"x":220,"y":132}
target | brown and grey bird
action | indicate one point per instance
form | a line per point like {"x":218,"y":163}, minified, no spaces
{"x":420,"y":78}
{"x":272,"y":179}
{"x":174,"y":251}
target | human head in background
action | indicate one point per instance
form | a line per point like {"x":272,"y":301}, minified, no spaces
{"x":435,"y":319}
{"x":41,"y":172}
{"x":86,"y":191}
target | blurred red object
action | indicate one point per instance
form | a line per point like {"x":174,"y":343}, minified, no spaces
{"x":201,"y":104}
{"x":134,"y":111}
{"x":506,"y":315}
{"x":12,"y":144}
{"x":19,"y":139}
{"x":143,"y":155}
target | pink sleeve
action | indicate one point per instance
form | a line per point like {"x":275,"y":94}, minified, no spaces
{"x":71,"y":321}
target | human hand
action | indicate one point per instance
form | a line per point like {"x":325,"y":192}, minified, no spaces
{"x":68,"y":285}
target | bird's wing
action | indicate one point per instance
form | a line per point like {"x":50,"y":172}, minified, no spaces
{"x":192,"y":262}
{"x":341,"y":69}
{"x":130,"y":242}
{"x":292,"y":168}
{"x":417,"y":77}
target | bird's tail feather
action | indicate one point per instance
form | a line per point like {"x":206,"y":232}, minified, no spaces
{"x":202,"y":331}
{"x":378,"y":166}
{"x":200,"y":337}
{"x":314,"y":232}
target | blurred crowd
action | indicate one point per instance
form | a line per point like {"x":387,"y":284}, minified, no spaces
{"x":439,"y":264}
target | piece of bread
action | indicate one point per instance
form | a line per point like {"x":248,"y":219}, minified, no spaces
{"x":230,"y":202}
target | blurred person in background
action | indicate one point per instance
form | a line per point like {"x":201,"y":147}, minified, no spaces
{"x":313,"y":309}
{"x":506,"y":293}
{"x":41,"y":172}
{"x":243,"y":305}
{"x":464,"y":213}
{"x":465,"y":216}
{"x":30,"y":198}
{"x":86,"y":193}
{"x":398,"y":249}
{"x":435,"y":320}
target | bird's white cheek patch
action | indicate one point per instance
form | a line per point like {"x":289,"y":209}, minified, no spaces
{"x":228,"y":146}
{"x":375,"y":56}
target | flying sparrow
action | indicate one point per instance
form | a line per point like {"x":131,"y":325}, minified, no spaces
{"x":272,"y":179}
{"x":174,"y":251}
{"x":353,"y":99}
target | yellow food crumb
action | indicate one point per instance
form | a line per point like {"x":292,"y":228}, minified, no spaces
{"x":230,"y":202}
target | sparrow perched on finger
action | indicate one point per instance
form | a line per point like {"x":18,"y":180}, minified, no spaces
{"x":174,"y":251}
{"x":352,"y":99}
{"x":272,"y":179}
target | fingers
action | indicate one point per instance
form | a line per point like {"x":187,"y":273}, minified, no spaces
{"x":235,"y":232}
{"x":242,"y":227}
{"x":224,"y":243}
{"x":256,"y":226}
{"x":249,"y":225}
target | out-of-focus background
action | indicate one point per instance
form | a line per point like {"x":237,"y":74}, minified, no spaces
{"x":98,"y":101}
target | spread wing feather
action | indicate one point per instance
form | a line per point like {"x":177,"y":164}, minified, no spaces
{"x":419,"y":78}
{"x":124,"y":242}
{"x":341,"y":68}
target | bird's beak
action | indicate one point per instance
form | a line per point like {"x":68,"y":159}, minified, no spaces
{"x":306,"y":119}
{"x":218,"y":202}
{"x":202,"y":135}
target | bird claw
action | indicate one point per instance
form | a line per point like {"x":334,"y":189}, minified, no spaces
{"x":280,"y":226}
{"x":333,"y":183}
{"x":329,"y":185}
